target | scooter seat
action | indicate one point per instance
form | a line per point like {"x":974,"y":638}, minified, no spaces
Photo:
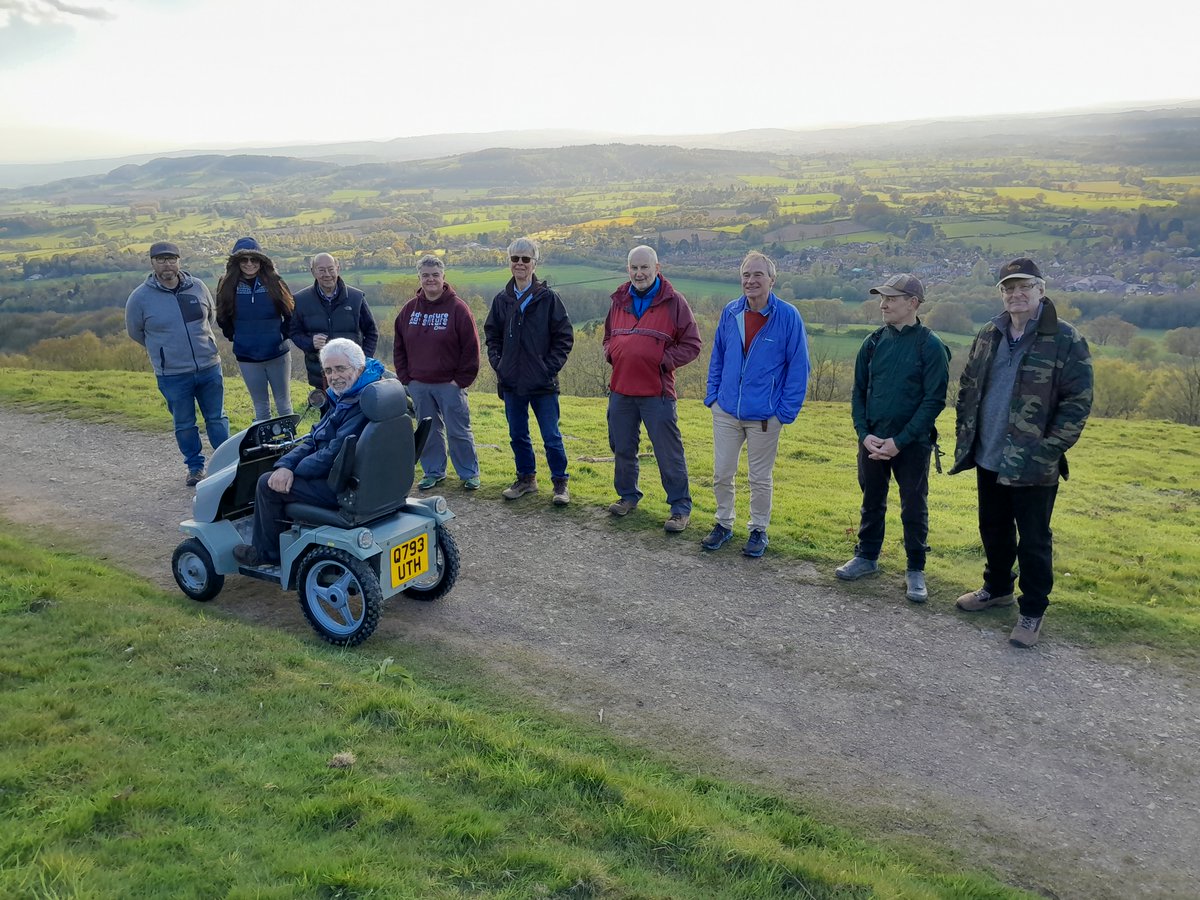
{"x":307,"y":514}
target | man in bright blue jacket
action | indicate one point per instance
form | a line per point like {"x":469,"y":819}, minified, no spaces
{"x":300,"y":474}
{"x":757,"y":379}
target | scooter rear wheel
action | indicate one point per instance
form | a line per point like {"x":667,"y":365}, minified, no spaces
{"x":339,"y":595}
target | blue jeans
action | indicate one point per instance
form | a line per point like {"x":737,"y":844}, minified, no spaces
{"x":183,"y":393}
{"x":545,"y":410}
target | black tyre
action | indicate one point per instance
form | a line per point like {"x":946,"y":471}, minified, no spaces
{"x":339,"y":595}
{"x":194,"y":571}
{"x":443,"y":570}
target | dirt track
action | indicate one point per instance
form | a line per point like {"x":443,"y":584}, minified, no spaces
{"x":1065,"y":773}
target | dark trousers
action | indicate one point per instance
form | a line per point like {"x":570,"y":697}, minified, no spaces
{"x":911,"y":468}
{"x":626,"y":415}
{"x":1014,"y":525}
{"x":545,"y":410}
{"x":268,"y":510}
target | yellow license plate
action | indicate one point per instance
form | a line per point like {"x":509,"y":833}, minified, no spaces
{"x":410,"y":559}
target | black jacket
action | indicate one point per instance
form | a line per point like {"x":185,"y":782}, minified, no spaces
{"x":528,"y":349}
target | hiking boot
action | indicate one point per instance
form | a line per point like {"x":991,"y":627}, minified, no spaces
{"x":677,"y":522}
{"x":757,"y":545}
{"x":525,"y":484}
{"x":983,"y":599}
{"x":561,"y":495}
{"x":857,"y":568}
{"x":622,"y":507}
{"x":430,"y":481}
{"x":194,"y":477}
{"x":247,"y":555}
{"x":1027,"y":632}
{"x":915,"y":590}
{"x":716,"y":538}
{"x":472,"y":483}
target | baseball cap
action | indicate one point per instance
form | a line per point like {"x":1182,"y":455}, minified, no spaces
{"x":163,"y":248}
{"x":901,"y":284}
{"x":1022,"y":267}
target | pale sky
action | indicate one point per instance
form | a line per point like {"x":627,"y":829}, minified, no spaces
{"x":89,"y":78}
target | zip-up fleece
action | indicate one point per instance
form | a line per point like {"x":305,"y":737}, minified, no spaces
{"x":528,"y":348}
{"x":900,"y":379}
{"x":1051,"y":401}
{"x":258,"y":331}
{"x":175,"y":327}
{"x":769,"y":380}
{"x":644,"y":353}
{"x":436,"y":341}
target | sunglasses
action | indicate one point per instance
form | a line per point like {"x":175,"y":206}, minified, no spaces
{"x":524,"y":259}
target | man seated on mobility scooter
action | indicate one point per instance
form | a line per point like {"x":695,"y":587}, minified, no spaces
{"x":300,"y":476}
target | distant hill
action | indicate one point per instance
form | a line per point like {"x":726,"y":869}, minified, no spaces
{"x":1157,"y":133}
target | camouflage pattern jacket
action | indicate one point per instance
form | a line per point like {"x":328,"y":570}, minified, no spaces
{"x":1052,"y":397}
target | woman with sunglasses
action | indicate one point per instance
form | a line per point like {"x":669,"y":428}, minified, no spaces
{"x":254,"y":310}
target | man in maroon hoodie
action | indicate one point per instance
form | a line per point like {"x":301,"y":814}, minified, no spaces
{"x":436,"y":354}
{"x":649,"y":333}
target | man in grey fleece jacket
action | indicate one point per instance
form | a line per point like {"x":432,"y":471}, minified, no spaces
{"x":171,"y":314}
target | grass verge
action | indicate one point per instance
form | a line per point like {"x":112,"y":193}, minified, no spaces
{"x":152,"y":751}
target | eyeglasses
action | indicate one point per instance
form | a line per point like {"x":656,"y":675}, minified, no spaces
{"x":338,"y":370}
{"x":524,"y":259}
{"x":1025,"y":287}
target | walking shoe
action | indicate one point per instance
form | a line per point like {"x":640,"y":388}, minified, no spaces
{"x":677,"y":522}
{"x":246,"y":555}
{"x":561,"y":495}
{"x":1027,"y":632}
{"x":982,"y":599}
{"x":915,"y":589}
{"x":525,"y":484}
{"x":757,"y":545}
{"x":194,"y":477}
{"x":430,"y":481}
{"x":622,"y":507}
{"x":472,"y":483}
{"x":856,"y":568}
{"x":716,"y":538}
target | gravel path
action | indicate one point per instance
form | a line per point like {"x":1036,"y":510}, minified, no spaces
{"x":1066,"y":773}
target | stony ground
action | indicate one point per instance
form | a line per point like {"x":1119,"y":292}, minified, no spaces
{"x":1067,"y":772}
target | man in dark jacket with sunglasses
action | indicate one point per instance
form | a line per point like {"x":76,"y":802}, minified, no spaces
{"x":528,"y":336}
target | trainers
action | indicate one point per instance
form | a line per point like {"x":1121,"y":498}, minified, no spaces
{"x":622,"y":507}
{"x":247,"y":555}
{"x":194,"y":477}
{"x":1027,"y":632}
{"x":982,"y":599}
{"x":915,"y":589}
{"x":716,"y":538}
{"x":757,"y":545}
{"x":561,"y":495}
{"x":472,"y":483}
{"x":677,"y":522}
{"x":525,"y":484}
{"x":430,"y":481}
{"x":856,"y":568}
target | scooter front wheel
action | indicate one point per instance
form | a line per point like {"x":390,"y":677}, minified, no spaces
{"x":339,"y":595}
{"x":194,"y":571}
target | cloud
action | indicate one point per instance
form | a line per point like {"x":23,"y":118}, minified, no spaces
{"x":49,"y":12}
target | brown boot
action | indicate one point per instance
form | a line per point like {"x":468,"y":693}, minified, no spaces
{"x":1027,"y":632}
{"x":983,"y":599}
{"x":561,"y":495}
{"x":525,"y":484}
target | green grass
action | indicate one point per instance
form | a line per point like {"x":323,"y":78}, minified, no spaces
{"x":151,"y":750}
{"x":1127,"y":559}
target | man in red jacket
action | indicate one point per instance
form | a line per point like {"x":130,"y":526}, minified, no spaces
{"x":436,"y":353}
{"x":649,"y":333}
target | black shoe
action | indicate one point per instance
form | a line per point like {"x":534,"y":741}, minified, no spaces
{"x":194,"y":477}
{"x":247,"y":555}
{"x":716,"y":538}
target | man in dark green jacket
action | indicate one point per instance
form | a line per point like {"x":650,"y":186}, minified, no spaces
{"x":900,"y":380}
{"x":1024,"y":398}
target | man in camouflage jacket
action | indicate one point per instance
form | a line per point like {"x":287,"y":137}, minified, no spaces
{"x":1023,"y":400}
